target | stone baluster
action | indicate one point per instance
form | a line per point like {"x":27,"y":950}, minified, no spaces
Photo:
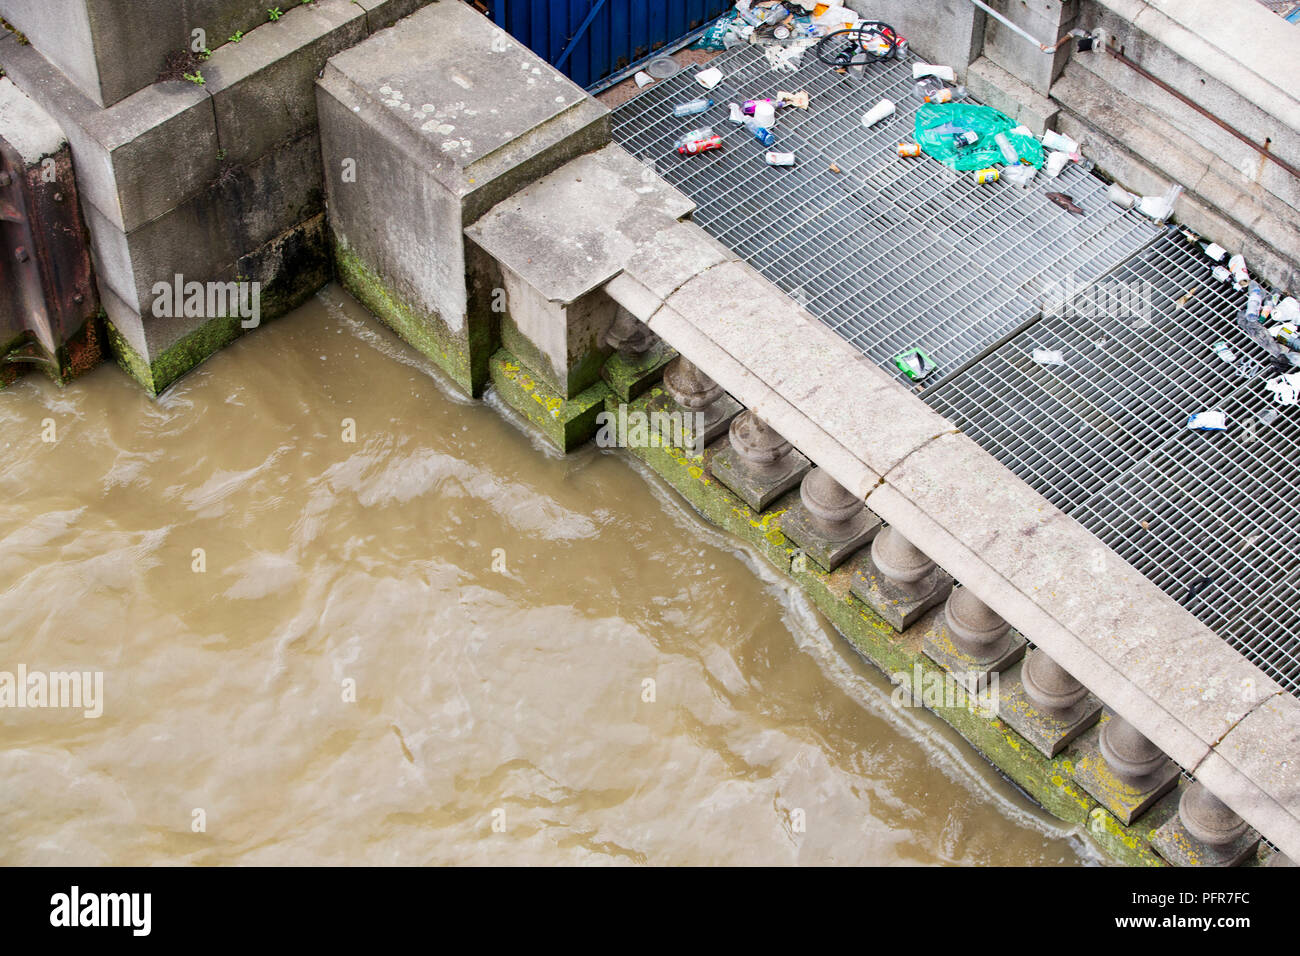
{"x":759,"y":465}
{"x":1045,"y":704}
{"x":899,"y":581}
{"x":972,"y":641}
{"x":695,"y":394}
{"x":1205,"y":832}
{"x":639,"y":357}
{"x":829,"y":522}
{"x":628,"y":336}
{"x":1122,"y":769}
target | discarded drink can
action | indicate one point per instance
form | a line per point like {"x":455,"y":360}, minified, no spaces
{"x":781,"y":32}
{"x":989,"y":175}
{"x":909,"y":149}
{"x":901,"y":46}
{"x":780,"y":159}
{"x":696,"y":146}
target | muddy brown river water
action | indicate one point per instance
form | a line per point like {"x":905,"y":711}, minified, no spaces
{"x":427,"y":645}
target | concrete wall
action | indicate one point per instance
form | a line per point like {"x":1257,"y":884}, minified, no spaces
{"x":110,"y":49}
{"x":942,"y":31}
{"x":425,"y":127}
{"x":215,"y":182}
{"x":1234,"y":59}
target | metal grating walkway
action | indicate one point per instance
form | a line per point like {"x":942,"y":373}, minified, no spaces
{"x":895,"y":253}
{"x":1210,"y":517}
{"x":892,"y":253}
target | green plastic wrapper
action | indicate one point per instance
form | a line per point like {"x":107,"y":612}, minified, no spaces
{"x":936,"y":124}
{"x":713,"y":37}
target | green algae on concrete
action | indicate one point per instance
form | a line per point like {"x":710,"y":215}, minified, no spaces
{"x":180,"y":358}
{"x":464,"y":360}
{"x":566,"y":422}
{"x":628,"y":378}
{"x":1048,"y":781}
{"x":1131,"y":845}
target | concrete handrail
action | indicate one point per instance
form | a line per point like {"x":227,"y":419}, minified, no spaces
{"x":1140,"y":652}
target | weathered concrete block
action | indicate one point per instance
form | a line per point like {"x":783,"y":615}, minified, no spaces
{"x":384,"y":13}
{"x":1047,"y":21}
{"x":111,"y":49}
{"x":628,"y":377}
{"x":995,"y":87}
{"x":950,"y":32}
{"x":157,"y":351}
{"x":461,"y":117}
{"x":566,"y":422}
{"x":564,"y":344}
{"x":263,"y":88}
{"x":246,"y":207}
{"x":135,"y":160}
{"x":569,"y":233}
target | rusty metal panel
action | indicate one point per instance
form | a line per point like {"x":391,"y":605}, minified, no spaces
{"x":48,"y":301}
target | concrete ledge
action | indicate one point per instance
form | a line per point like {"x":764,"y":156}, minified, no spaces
{"x":262,"y":88}
{"x":26,"y":127}
{"x":1238,"y":43}
{"x":135,"y":160}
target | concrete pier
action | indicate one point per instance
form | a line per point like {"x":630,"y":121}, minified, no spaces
{"x":468,"y":195}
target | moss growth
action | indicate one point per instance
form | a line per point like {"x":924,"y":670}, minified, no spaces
{"x":464,"y":359}
{"x":178,"y":359}
{"x":629,"y":378}
{"x":1132,"y":845}
{"x":568,"y":423}
{"x":1050,"y":782}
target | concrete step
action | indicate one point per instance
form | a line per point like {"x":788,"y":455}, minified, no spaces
{"x":1232,"y":157}
{"x":1145,"y":153}
{"x":995,"y":87}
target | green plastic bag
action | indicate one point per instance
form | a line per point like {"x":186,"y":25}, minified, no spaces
{"x":714,"y":37}
{"x":938,"y":123}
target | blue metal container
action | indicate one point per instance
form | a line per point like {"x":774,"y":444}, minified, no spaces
{"x":592,"y":40}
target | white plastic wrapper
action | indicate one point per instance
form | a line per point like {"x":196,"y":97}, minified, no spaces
{"x":709,"y":78}
{"x":1208,"y":422}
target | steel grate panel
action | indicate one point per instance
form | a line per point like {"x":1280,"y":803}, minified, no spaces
{"x":890,"y":253}
{"x":894,"y":254}
{"x":1206,"y":516}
